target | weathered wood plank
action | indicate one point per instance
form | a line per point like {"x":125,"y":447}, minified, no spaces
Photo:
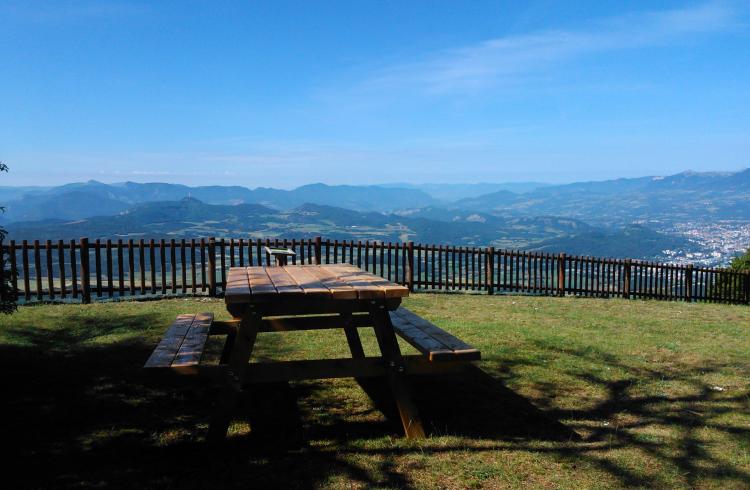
{"x":166,"y":350}
{"x":315,"y":369}
{"x":331,"y":321}
{"x":260,"y":283}
{"x":370,"y":284}
{"x":419,"y":339}
{"x":338,"y":288}
{"x":358,"y":280}
{"x":283,"y":282}
{"x":433,"y":330}
{"x":429,"y":339}
{"x":309,"y":284}
{"x":191,"y":350}
{"x":238,"y":286}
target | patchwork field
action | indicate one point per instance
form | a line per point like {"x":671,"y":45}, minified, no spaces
{"x":571,"y":393}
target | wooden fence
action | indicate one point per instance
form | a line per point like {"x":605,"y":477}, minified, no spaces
{"x":85,"y":270}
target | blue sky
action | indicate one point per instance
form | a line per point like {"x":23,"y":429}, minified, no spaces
{"x":286,"y":93}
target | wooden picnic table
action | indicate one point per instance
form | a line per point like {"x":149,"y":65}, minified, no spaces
{"x":306,"y":297}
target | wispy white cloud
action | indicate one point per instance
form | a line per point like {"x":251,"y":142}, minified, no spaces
{"x":516,"y":59}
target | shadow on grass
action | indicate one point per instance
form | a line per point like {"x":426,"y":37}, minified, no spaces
{"x":79,"y":413}
{"x":621,"y":416}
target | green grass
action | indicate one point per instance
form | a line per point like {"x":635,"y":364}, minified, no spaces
{"x":571,"y":393}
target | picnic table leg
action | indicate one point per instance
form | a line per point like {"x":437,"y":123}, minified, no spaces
{"x":375,"y":388}
{"x":396,"y":378}
{"x":226,"y":352}
{"x":352,"y":337}
{"x":241,"y":351}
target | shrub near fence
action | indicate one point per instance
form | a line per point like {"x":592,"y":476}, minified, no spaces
{"x":86,"y":270}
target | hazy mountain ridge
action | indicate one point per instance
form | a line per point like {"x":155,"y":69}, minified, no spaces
{"x":40,"y":203}
{"x":687,"y":195}
{"x":676,"y":198}
{"x":190,"y":218}
{"x":455,"y":192}
{"x":583,"y":217}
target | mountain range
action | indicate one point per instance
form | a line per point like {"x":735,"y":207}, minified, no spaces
{"x":623,"y":217}
{"x":190,"y":218}
{"x":687,"y":196}
{"x":680,"y":197}
{"x":74,"y":201}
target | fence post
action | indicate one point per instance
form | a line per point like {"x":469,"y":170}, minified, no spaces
{"x":410,"y":265}
{"x":489,"y":270}
{"x":689,"y":283}
{"x":626,"y":278}
{"x":85,"y":271}
{"x":318,"y":250}
{"x":212,"y":266}
{"x":747,"y":287}
{"x":561,"y":274}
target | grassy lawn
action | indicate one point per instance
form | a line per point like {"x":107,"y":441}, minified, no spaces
{"x":572,"y":393}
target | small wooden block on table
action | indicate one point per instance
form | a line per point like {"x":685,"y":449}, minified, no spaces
{"x":279,"y":254}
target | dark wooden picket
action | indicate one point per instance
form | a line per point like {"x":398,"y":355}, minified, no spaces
{"x":63,"y":270}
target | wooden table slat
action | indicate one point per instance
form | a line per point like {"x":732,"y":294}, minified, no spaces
{"x":282,"y":281}
{"x":238,"y":286}
{"x":365,"y":281}
{"x":260,"y":283}
{"x":338,"y":288}
{"x":307,"y":281}
{"x":357,"y":279}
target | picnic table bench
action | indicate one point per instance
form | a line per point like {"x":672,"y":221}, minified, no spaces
{"x":307,"y":297}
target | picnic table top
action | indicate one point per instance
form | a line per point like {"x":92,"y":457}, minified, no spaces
{"x":321,"y":282}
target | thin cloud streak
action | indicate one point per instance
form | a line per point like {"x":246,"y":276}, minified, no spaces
{"x":512,"y":60}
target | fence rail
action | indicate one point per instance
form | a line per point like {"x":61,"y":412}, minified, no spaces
{"x":85,"y":270}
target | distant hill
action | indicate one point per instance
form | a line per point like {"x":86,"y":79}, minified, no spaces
{"x":684,"y":197}
{"x":455,"y":192}
{"x":631,"y":241}
{"x":83,"y":200}
{"x":16,"y":192}
{"x":187,"y":217}
{"x":71,"y":204}
{"x":190,"y":217}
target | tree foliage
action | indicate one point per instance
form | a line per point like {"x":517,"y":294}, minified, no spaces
{"x":8,"y":290}
{"x":742,"y":262}
{"x":733,"y":286}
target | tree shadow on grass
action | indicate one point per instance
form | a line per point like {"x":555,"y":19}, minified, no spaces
{"x":684,"y":407}
{"x":474,"y":404}
{"x":470,"y":403}
{"x":82,"y":413}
